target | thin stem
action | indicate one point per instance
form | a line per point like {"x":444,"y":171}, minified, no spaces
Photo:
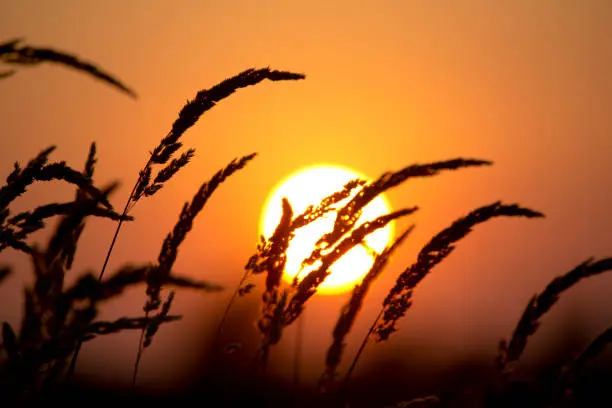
{"x":363,"y":344}
{"x":228,"y":307}
{"x":112,"y":245}
{"x":140,"y":350}
{"x":75,"y":355}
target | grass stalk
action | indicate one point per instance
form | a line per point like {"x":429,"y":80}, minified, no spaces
{"x":139,"y":353}
{"x":75,"y":355}
{"x":362,"y":346}
{"x":217,"y":339}
{"x":399,"y":299}
{"x":191,"y":112}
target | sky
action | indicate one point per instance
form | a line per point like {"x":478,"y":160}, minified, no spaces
{"x":524,"y":84}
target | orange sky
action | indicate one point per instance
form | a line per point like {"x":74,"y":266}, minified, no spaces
{"x":389,"y":83}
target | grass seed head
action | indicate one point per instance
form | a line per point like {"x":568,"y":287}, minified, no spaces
{"x":399,"y":298}
{"x":539,"y":305}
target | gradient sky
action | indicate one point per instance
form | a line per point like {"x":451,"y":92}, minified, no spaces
{"x":525,"y":84}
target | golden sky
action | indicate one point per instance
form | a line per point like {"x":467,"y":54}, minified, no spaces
{"x":389,"y":83}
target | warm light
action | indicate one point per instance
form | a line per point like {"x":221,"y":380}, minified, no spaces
{"x":310,"y":186}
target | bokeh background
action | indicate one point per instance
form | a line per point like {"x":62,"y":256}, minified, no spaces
{"x":389,"y":83}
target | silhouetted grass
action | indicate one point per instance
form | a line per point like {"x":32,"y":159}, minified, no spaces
{"x":281,"y":308}
{"x":307,"y":287}
{"x":147,"y":185}
{"x":574,"y":368}
{"x":270,"y":256}
{"x":399,"y":298}
{"x":15,"y":229}
{"x":330,"y":247}
{"x":350,"y":310}
{"x":159,"y":275}
{"x":11,"y":52}
{"x":539,"y":305}
{"x":58,"y":317}
{"x":350,"y":213}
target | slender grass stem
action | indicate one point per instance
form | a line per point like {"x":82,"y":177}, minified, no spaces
{"x":361,"y":348}
{"x":228,"y":307}
{"x":75,"y":355}
{"x":140,"y":350}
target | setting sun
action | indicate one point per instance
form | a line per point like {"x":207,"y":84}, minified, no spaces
{"x":308,"y":187}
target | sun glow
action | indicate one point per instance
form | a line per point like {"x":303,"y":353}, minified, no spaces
{"x":308,"y":187}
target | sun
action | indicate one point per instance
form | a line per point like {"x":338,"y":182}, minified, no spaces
{"x":308,"y":187}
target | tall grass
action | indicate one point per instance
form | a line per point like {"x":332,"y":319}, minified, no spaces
{"x":147,"y":185}
{"x":349,"y":312}
{"x":399,"y":298}
{"x":169,"y":252}
{"x":58,"y":318}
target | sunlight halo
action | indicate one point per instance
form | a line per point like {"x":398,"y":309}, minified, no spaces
{"x":309,"y":186}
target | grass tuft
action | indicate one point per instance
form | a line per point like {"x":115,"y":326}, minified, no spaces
{"x":14,"y":230}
